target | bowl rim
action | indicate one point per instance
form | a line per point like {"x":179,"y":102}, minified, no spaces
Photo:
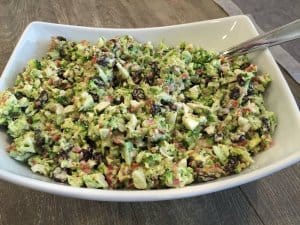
{"x":157,"y":194}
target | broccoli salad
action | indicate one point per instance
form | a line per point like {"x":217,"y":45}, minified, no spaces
{"x":121,"y":114}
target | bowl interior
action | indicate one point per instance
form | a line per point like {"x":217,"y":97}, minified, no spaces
{"x":213,"y":35}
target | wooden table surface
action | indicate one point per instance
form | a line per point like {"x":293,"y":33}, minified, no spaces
{"x":271,"y":200}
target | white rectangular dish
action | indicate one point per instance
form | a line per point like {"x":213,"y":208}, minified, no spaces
{"x":214,"y":35}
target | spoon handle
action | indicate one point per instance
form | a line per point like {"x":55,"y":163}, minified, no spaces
{"x":277,"y":36}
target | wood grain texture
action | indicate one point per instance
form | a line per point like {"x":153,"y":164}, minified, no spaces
{"x":273,"y":200}
{"x":31,"y":207}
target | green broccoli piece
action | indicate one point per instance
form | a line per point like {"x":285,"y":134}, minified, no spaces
{"x":8,"y":107}
{"x":17,"y":127}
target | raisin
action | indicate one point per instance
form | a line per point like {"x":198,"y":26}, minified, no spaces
{"x":63,"y":155}
{"x":190,"y":161}
{"x":250,"y":89}
{"x":98,"y":82}
{"x":221,"y":73}
{"x":244,"y":65}
{"x":68,"y":171}
{"x":245,"y":99}
{"x":91,"y":143}
{"x":115,"y":82}
{"x":155,"y":109}
{"x":98,"y":157}
{"x":240,"y":80}
{"x":43,"y":98}
{"x":103,"y":61}
{"x":136,"y":76}
{"x":61,"y":38}
{"x":62,"y":53}
{"x":232,"y":163}
{"x":138,"y":94}
{"x":154,"y":68}
{"x":266,"y":124}
{"x":39,"y":141}
{"x":60,"y":73}
{"x":221,"y":117}
{"x":19,"y":95}
{"x":218,"y":137}
{"x":118,"y":100}
{"x":87,"y":155}
{"x":171,"y":105}
{"x":235,"y":93}
{"x":242,"y":138}
{"x":95,"y":97}
{"x":150,"y":78}
{"x":164,"y":102}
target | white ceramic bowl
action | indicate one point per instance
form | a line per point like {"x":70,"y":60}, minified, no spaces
{"x":215,"y":35}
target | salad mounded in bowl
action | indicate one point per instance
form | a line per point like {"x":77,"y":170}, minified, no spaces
{"x":121,"y":114}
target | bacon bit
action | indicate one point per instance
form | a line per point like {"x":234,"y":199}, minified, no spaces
{"x":94,"y":59}
{"x":56,"y":137}
{"x":76,"y":149}
{"x":27,"y":78}
{"x":84,"y":166}
{"x":234,"y":103}
{"x":118,"y":139}
{"x":11,"y":147}
{"x":185,"y":76}
{"x":222,"y":59}
{"x":149,"y":102}
{"x":246,"y":110}
{"x":84,"y":42}
{"x":238,"y":112}
{"x":159,"y":81}
{"x":176,"y":182}
{"x":50,"y":81}
{"x":57,"y":63}
{"x":251,"y":68}
{"x":134,"y":166}
{"x":108,"y":180}
{"x":180,"y":146}
{"x":199,"y":71}
{"x":150,"y":122}
{"x":109,"y":98}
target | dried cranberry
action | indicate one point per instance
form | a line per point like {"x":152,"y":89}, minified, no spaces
{"x":138,"y":94}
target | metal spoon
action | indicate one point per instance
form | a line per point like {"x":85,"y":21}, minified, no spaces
{"x":277,"y":36}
